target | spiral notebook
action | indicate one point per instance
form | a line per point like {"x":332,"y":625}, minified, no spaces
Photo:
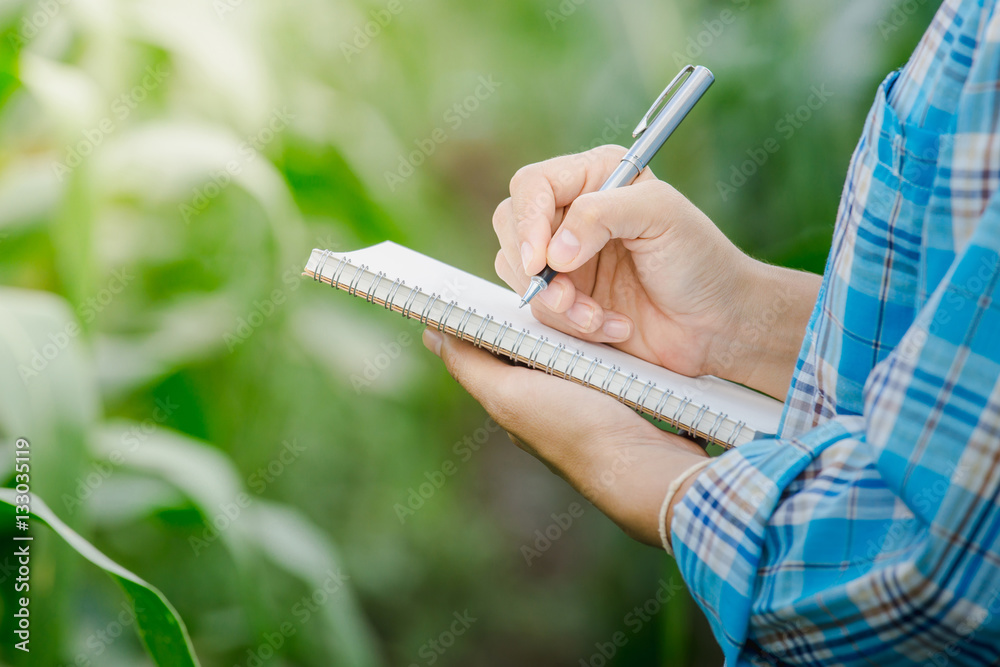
{"x":487,"y":315}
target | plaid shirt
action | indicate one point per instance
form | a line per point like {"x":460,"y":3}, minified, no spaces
{"x":868,"y":532}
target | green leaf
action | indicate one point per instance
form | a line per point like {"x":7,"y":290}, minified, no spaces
{"x":160,"y":627}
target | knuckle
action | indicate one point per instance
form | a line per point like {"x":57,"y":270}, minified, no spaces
{"x":586,"y":212}
{"x":521,"y":177}
{"x":610,"y":152}
{"x":665,"y":191}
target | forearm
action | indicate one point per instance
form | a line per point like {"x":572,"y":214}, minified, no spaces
{"x":771,"y":311}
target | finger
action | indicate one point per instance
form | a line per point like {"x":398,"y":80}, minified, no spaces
{"x":558,"y":297}
{"x":514,"y":278}
{"x":537,"y":190}
{"x":642,"y":210}
{"x":503,"y":225}
{"x":561,"y":306}
{"x":585,"y":318}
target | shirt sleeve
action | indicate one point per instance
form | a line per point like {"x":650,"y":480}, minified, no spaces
{"x":870,"y":539}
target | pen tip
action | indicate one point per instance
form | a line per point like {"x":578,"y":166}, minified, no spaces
{"x":523,"y":303}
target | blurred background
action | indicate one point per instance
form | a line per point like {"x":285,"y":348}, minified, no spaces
{"x":289,"y":466}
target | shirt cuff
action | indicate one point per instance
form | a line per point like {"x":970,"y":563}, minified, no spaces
{"x":719,"y":526}
{"x":671,"y":492}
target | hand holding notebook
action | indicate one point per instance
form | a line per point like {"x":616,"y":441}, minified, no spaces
{"x":487,"y":315}
{"x":664,"y":259}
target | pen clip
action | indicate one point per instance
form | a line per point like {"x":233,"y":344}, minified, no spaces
{"x":661,"y":100}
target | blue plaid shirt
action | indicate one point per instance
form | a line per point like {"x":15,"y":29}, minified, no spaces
{"x":868,"y":532}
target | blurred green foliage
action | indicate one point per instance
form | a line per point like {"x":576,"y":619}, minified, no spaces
{"x":165,"y":167}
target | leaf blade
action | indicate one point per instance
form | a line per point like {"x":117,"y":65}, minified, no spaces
{"x":159,"y":625}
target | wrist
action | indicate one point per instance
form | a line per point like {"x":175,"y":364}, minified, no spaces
{"x":760,"y":340}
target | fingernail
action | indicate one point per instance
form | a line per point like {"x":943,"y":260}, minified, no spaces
{"x":581,"y":315}
{"x":432,"y":340}
{"x":564,"y":247}
{"x":527,"y":253}
{"x":550,"y":295}
{"x":616,"y":329}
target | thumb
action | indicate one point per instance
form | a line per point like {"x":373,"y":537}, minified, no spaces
{"x":639,"y":211}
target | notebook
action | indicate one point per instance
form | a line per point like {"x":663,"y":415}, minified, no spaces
{"x":421,"y":288}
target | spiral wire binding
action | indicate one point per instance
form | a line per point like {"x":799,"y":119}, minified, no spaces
{"x":318,"y":273}
{"x":477,"y":340}
{"x":352,"y":289}
{"x":549,"y":366}
{"x":518,"y":342}
{"x":370,"y":297}
{"x":698,"y":417}
{"x":574,"y":360}
{"x":390,"y":297}
{"x":641,"y":401}
{"x":662,"y":403}
{"x":590,"y":370}
{"x":533,"y":357}
{"x":335,"y":279}
{"x":443,"y":322}
{"x":713,"y":430}
{"x":504,"y":328}
{"x":410,"y":299}
{"x":625,"y":387}
{"x":425,"y":312}
{"x":612,"y":372}
{"x":466,"y":316}
{"x":676,"y":419}
{"x":736,"y":433}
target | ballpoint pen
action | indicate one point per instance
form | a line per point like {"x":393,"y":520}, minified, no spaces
{"x":650,"y":136}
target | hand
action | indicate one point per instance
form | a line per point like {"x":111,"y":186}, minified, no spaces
{"x":618,"y":460}
{"x":643,"y":269}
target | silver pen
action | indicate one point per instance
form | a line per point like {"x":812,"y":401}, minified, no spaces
{"x":686,"y":88}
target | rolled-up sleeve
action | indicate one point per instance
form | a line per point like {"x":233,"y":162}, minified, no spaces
{"x":869,"y":539}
